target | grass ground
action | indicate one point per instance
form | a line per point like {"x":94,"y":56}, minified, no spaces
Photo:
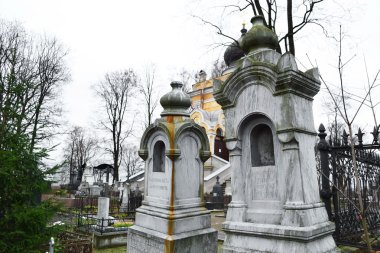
{"x":112,"y":250}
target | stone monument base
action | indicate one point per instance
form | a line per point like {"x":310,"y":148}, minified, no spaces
{"x":245,"y":237}
{"x":143,"y":240}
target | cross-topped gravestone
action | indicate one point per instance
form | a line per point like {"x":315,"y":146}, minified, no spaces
{"x":172,"y":217}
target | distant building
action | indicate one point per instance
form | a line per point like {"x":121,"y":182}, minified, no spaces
{"x":208,"y":113}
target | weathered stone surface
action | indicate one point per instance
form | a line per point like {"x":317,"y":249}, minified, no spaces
{"x":125,"y":197}
{"x":109,"y":239}
{"x":270,"y":134}
{"x":172,"y":217}
{"x":103,"y":211}
{"x":142,"y":240}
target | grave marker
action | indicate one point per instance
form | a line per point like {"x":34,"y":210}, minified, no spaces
{"x":172,"y":218}
{"x":270,"y":135}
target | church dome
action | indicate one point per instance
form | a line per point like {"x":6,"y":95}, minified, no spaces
{"x":234,"y":51}
{"x":259,"y":36}
{"x":176,"y":102}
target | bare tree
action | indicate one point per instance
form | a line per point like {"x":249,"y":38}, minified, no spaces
{"x":298,"y":15}
{"x":218,"y":68}
{"x":52,"y":73}
{"x":187,"y":78}
{"x":349,"y":120}
{"x":115,"y":90}
{"x":336,"y":125}
{"x":32,"y":71}
{"x":131,"y":160}
{"x":80,"y":148}
{"x":147,"y":89}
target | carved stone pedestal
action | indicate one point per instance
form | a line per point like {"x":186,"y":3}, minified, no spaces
{"x":172,"y":218}
{"x":267,"y":103}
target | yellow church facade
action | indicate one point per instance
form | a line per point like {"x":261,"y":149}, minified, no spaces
{"x":206,"y":112}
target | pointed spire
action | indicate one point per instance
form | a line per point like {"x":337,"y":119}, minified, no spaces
{"x":345,"y":137}
{"x":323,"y":144}
{"x":322,"y":131}
{"x":360,"y":137}
{"x":375,"y":134}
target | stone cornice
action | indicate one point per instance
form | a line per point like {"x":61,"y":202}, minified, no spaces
{"x":279,"y":82}
{"x":227,"y":93}
{"x":297,"y":83}
{"x":295,"y":129}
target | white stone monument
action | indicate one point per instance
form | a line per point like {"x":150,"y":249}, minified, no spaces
{"x":103,"y":211}
{"x":125,"y":197}
{"x":95,"y":190}
{"x":172,"y":218}
{"x":270,"y":135}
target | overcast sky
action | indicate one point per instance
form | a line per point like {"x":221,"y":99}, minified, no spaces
{"x":103,"y":36}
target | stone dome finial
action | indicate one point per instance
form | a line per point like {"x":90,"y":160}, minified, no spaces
{"x":234,"y":51}
{"x":176,"y":102}
{"x":259,"y":36}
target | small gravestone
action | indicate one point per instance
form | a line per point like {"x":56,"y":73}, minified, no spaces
{"x":270,"y":135}
{"x":228,"y":190}
{"x":172,"y":218}
{"x":95,"y":190}
{"x":103,"y":211}
{"x":125,"y":197}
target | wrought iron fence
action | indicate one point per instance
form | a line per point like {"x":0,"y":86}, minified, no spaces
{"x":339,"y":185}
{"x":103,"y":225}
{"x":89,"y":204}
{"x":86,"y":219}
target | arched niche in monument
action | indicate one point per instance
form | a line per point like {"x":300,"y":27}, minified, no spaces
{"x":262,"y":153}
{"x":263,"y":183}
{"x":159,"y":157}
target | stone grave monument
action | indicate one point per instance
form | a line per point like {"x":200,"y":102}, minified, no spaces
{"x":172,"y":218}
{"x":270,"y":135}
{"x":95,"y":190}
{"x":124,"y":197}
{"x":103,"y":211}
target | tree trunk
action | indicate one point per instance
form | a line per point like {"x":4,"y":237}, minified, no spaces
{"x":362,"y":217}
{"x":290,"y":27}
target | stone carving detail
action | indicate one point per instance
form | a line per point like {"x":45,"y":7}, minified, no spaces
{"x":159,"y":157}
{"x":275,"y":203}
{"x":262,"y":153}
{"x":141,"y":244}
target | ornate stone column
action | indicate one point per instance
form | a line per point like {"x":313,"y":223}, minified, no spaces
{"x":237,"y":207}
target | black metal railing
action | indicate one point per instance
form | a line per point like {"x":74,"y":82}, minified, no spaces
{"x":339,"y":184}
{"x":103,"y":225}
